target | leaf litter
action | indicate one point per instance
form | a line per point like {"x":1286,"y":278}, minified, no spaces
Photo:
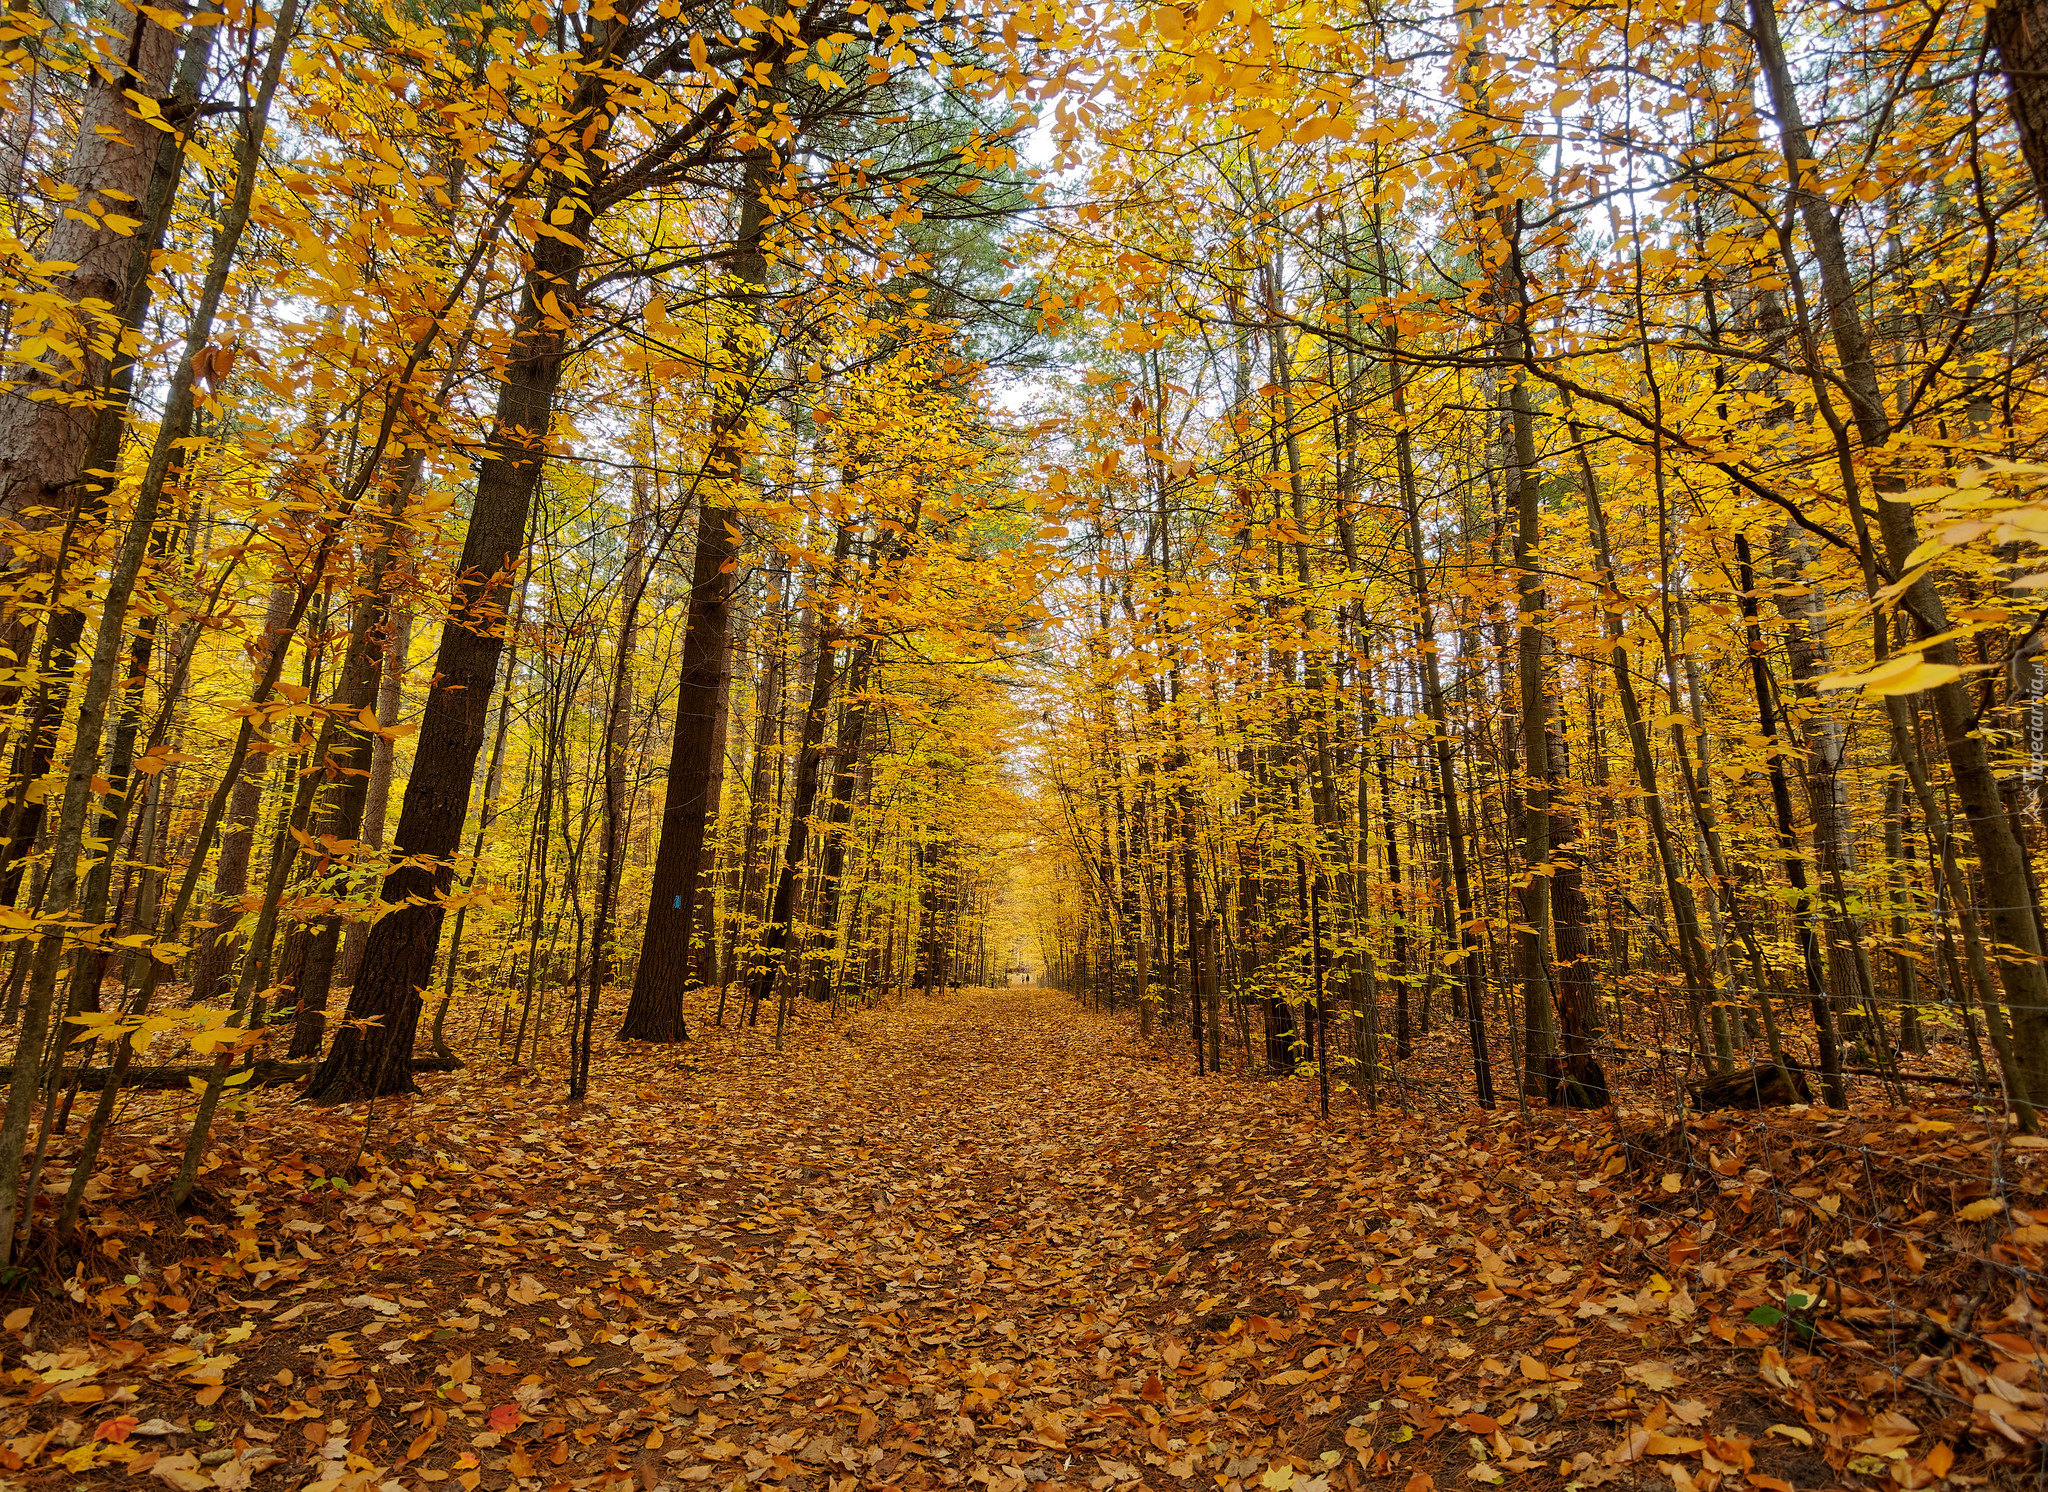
{"x":991,"y":1240}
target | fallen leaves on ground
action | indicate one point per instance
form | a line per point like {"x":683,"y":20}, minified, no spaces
{"x":989,"y":1239}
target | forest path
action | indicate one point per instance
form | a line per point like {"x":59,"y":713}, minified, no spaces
{"x":982,"y":1238}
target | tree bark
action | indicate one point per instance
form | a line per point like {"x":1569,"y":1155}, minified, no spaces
{"x":369,"y":1059}
{"x":654,"y":1012}
{"x":47,"y":416}
{"x":61,"y":883}
{"x":853,"y":730}
{"x":2010,"y":906}
{"x":2018,"y":32}
{"x":383,"y":759}
{"x":374,"y":658}
{"x":776,"y":937}
{"x":89,"y":479}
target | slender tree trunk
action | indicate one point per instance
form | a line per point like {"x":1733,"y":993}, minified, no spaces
{"x":213,"y":960}
{"x":383,"y":757}
{"x":1434,"y":705}
{"x":853,"y":730}
{"x":2010,"y":907}
{"x":778,"y":935}
{"x":1788,"y":842}
{"x":768,"y":685}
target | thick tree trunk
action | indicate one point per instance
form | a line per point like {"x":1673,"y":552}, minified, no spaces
{"x":2018,"y":32}
{"x":40,"y":434}
{"x":374,"y":658}
{"x":45,"y":437}
{"x":654,"y":1012}
{"x":704,"y":935}
{"x":1539,"y":1039}
{"x":398,"y":957}
{"x":61,"y":883}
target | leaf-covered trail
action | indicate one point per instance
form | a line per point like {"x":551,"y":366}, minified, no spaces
{"x":978,"y":1239}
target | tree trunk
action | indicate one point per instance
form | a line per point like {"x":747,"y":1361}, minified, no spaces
{"x":40,"y":434}
{"x":374,"y":659}
{"x":383,"y":755}
{"x":44,"y":440}
{"x":704,"y":935}
{"x":1574,"y":1077}
{"x":2018,"y":32}
{"x":398,"y":957}
{"x":767,"y":721}
{"x":122,"y":576}
{"x":853,"y":730}
{"x":776,"y":937}
{"x":654,"y":1012}
{"x":2010,"y":906}
{"x":1788,"y":841}
{"x":619,"y":721}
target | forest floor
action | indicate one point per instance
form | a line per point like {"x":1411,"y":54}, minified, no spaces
{"x":990,"y":1238}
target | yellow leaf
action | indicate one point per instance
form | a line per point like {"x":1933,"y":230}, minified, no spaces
{"x":1928,"y":549}
{"x":1660,"y":1444}
{"x":1914,"y":681}
{"x":1772,"y":1368}
{"x":1909,"y":673}
{"x":1982,"y":1208}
